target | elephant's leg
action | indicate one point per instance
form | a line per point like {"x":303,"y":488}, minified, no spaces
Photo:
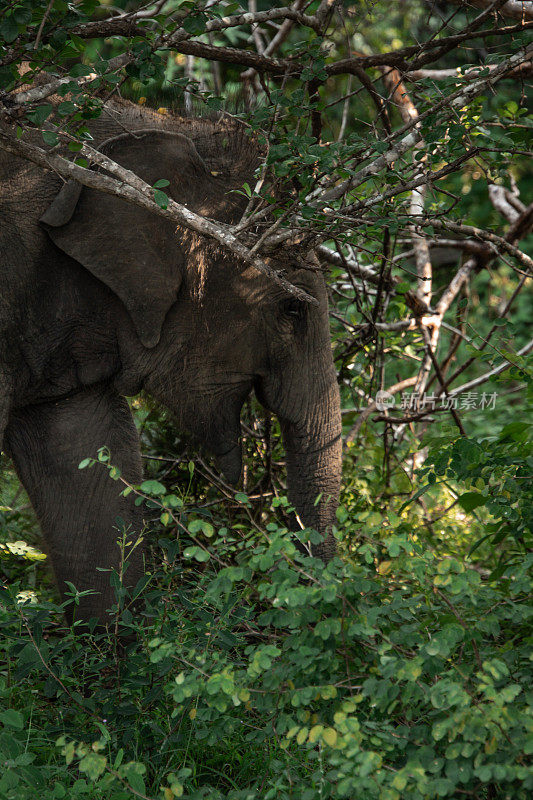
{"x":81,"y":512}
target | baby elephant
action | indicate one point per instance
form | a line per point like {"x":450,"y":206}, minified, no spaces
{"x":102,"y":299}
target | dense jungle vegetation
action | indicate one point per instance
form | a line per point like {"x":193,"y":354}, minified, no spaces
{"x":402,"y":670}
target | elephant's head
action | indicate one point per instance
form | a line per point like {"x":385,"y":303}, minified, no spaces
{"x":209,"y":331}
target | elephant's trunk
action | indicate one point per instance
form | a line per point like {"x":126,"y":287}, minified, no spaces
{"x":313,"y":456}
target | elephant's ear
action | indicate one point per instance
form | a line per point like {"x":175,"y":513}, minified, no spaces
{"x":136,"y":253}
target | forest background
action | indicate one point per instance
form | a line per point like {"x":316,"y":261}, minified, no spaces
{"x":400,"y":136}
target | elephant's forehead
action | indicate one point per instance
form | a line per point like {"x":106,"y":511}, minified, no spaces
{"x":253,"y":287}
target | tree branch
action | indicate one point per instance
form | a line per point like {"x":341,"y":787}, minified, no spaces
{"x":466,"y":387}
{"x":523,"y":70}
{"x":517,"y":9}
{"x":486,"y":236}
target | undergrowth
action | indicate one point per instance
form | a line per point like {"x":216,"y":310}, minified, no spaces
{"x":242,"y":668}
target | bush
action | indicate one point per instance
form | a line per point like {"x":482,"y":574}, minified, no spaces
{"x":255,"y":671}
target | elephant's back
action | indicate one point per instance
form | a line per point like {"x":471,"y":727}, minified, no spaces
{"x":25,"y":188}
{"x":26,"y":191}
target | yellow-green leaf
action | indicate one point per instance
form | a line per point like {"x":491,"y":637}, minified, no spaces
{"x":315,"y":732}
{"x":329,"y":736}
{"x":302,"y":735}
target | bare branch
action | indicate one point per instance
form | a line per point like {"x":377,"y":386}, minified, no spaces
{"x":411,"y":299}
{"x":522,"y":226}
{"x":504,"y":202}
{"x":458,"y":280}
{"x":364,"y":415}
{"x":517,"y":9}
{"x":409,"y":113}
{"x":325,"y":7}
{"x":277,"y":40}
{"x":43,"y":90}
{"x":458,"y":73}
{"x":486,"y":236}
{"x":466,"y":387}
{"x":43,"y":23}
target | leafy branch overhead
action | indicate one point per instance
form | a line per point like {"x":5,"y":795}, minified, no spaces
{"x":365,"y":137}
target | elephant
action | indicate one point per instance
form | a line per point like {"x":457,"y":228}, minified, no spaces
{"x":102,"y":299}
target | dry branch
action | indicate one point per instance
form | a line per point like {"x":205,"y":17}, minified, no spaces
{"x":409,"y":113}
{"x":487,"y":376}
{"x":523,"y":70}
{"x":517,"y":9}
{"x":504,"y":201}
{"x":499,"y":242}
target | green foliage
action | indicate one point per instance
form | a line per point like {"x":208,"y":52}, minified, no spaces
{"x":394,"y":672}
{"x":500,"y":468}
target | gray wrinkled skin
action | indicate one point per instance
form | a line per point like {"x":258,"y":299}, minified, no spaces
{"x":101,"y":299}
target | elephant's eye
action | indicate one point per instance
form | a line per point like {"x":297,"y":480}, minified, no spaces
{"x":294,"y":309}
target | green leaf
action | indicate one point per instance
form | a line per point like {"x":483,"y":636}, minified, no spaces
{"x":172,"y":501}
{"x":9,"y":29}
{"x":496,"y":667}
{"x":153,"y":487}
{"x":399,"y":782}
{"x":240,"y":497}
{"x":329,"y":736}
{"x":195,"y":24}
{"x":195,"y":526}
{"x":22,"y":15}
{"x":302,"y":735}
{"x":12,"y":719}
{"x":197,"y":553}
{"x":80,"y":70}
{"x":161,"y":184}
{"x":161,"y":198}
{"x":315,"y":732}
{"x":93,"y":764}
{"x":516,"y":430}
{"x":402,"y":288}
{"x":69,"y":751}
{"x":133,"y":773}
{"x":65,"y":108}
{"x":50,"y":138}
{"x":471,"y":500}
{"x":40,"y":114}
{"x":419,"y":492}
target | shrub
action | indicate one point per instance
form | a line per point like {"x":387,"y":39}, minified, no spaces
{"x":256,"y":671}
